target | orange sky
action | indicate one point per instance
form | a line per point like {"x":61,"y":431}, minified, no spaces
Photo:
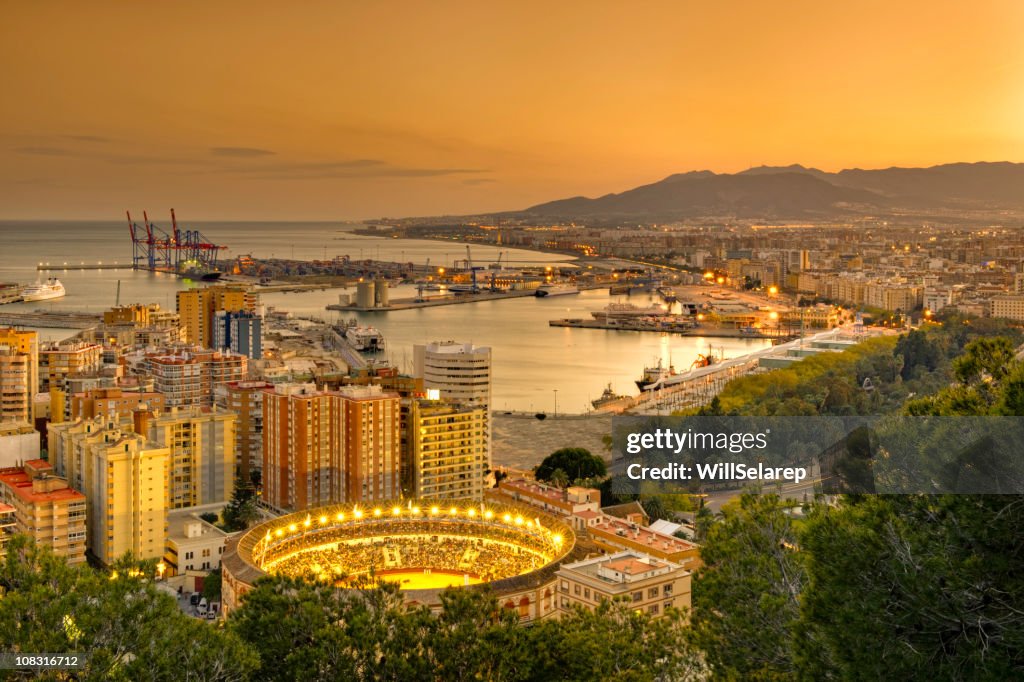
{"x":337,"y":110}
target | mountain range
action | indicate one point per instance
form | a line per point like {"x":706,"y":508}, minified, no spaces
{"x":800,"y":192}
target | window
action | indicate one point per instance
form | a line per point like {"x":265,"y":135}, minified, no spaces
{"x":652,"y":593}
{"x":638,"y":596}
{"x":652,"y":609}
{"x":576,"y":590}
{"x":668,"y":589}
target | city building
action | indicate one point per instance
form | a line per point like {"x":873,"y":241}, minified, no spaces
{"x":615,"y":535}
{"x":61,"y":359}
{"x":193,"y":544}
{"x":650,"y":585}
{"x":19,"y":442}
{"x":301,"y":447}
{"x":323,"y":447}
{"x":371,"y":452}
{"x":19,"y":374}
{"x":201,"y":452}
{"x":245,"y":398}
{"x":190,"y":377}
{"x":1010,"y":307}
{"x":575,"y":503}
{"x":8,"y":524}
{"x":241,"y":332}
{"x":447,"y":450}
{"x":46,"y":509}
{"x":196,"y":309}
{"x":113,"y":403}
{"x":459,"y":372}
{"x":126,"y":488}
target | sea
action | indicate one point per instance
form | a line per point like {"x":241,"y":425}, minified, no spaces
{"x":536,"y":367}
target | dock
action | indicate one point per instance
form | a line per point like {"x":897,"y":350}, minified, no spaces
{"x":427,"y":302}
{"x":665,"y":327}
{"x":47,"y":267}
{"x":50,"y":319}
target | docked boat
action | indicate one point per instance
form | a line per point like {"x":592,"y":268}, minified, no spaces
{"x":608,"y":396}
{"x":202,"y":273}
{"x":43,"y":291}
{"x":654,"y":376}
{"x":668,"y":294}
{"x":627,"y":310}
{"x":463,"y":288}
{"x":365,"y":339}
{"x":545,"y":290}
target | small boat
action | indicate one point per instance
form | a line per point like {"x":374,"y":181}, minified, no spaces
{"x":668,"y":294}
{"x":545,"y":290}
{"x":609,"y":396}
{"x":43,"y":291}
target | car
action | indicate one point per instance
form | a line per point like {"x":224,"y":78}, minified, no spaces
{"x":193,"y":599}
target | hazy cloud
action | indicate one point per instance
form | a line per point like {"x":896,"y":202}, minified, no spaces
{"x":241,"y":152}
{"x":45,"y":151}
{"x":86,"y":138}
{"x":478,"y":181}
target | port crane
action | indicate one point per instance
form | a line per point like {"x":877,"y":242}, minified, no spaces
{"x":156,"y":249}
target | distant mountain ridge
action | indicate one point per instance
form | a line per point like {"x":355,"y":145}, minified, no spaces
{"x":798,"y":191}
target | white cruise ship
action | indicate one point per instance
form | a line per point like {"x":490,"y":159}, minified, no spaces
{"x":545,"y":290}
{"x":627,"y":310}
{"x":43,"y":291}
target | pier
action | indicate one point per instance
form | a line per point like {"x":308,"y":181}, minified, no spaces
{"x":426,"y":302}
{"x":667,"y":326}
{"x":50,"y":319}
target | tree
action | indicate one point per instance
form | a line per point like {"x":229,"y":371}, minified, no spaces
{"x":211,"y":586}
{"x":613,"y":642}
{"x":746,"y":597}
{"x":655,"y":508}
{"x":241,"y":511}
{"x":984,"y":357}
{"x":576,"y":462}
{"x":131,"y":629}
{"x":914,"y":587}
{"x":559,"y":478}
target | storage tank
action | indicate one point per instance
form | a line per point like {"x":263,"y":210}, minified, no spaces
{"x":381,"y":293}
{"x":364,"y":295}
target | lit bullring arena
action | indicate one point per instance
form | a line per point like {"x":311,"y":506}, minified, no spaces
{"x":423,"y":546}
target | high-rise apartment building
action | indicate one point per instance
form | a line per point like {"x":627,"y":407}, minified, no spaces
{"x":190,"y":377}
{"x":45,"y":508}
{"x":19,"y":374}
{"x":372,"y":452}
{"x":196,"y":309}
{"x":201,"y":447}
{"x":245,"y":398}
{"x":62,"y":359}
{"x":240,"y":332}
{"x":447,"y":450}
{"x":301,"y":447}
{"x":324,"y":447}
{"x":459,"y":372}
{"x":126,"y":490}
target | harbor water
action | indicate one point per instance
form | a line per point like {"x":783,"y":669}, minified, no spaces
{"x":535,"y":366}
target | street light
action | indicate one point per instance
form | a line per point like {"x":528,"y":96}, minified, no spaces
{"x":556,"y":403}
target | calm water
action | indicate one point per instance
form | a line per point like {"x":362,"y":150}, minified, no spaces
{"x":531,"y":359}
